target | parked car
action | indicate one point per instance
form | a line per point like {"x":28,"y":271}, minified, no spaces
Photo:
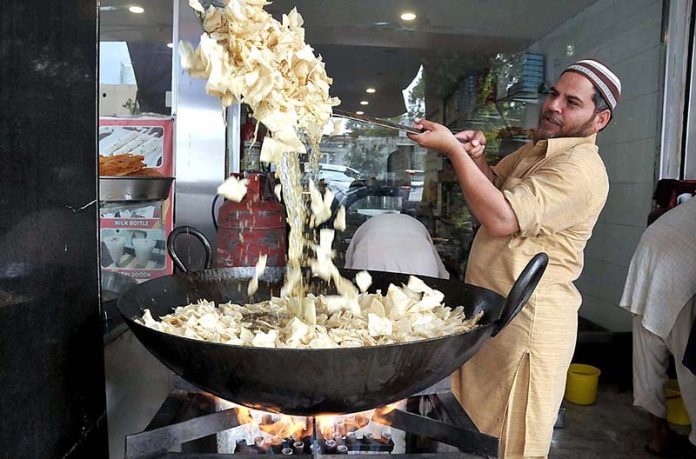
{"x":337,"y":178}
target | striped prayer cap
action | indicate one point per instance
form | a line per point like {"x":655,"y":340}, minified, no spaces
{"x":606,"y":82}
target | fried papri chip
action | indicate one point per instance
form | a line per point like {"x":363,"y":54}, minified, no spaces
{"x":340,"y":220}
{"x":363,"y":280}
{"x":233,"y":188}
{"x":258,"y":271}
{"x":321,"y":205}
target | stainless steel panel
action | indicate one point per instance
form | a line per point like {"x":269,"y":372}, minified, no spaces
{"x":200,"y":138}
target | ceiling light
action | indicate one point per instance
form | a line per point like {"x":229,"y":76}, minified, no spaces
{"x":408,"y":16}
{"x":370,"y":90}
{"x":170,"y":45}
{"x":136,"y":9}
{"x":364,"y":102}
{"x":359,"y":112}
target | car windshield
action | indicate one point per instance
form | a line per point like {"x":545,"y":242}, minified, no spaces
{"x":331,"y":176}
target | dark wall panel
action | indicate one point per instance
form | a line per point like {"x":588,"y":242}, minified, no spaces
{"x":51,"y":360}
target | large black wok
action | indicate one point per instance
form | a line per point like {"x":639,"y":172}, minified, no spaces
{"x":313,"y":381}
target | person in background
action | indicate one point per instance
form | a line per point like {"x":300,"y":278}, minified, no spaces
{"x":544,"y":197}
{"x":660,"y":291}
{"x":395,"y":243}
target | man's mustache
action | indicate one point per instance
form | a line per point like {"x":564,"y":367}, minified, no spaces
{"x":553,"y":118}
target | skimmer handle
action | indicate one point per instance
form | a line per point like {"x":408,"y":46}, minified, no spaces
{"x":521,"y":290}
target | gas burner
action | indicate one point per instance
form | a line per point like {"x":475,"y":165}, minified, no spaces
{"x":424,"y":426}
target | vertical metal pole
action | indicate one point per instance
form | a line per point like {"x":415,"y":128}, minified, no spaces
{"x":674,"y":118}
{"x":200,"y":143}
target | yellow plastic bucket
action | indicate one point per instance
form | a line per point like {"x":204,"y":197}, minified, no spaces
{"x":676,"y":411}
{"x":581,"y":385}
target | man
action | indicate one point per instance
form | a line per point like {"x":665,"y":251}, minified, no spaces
{"x":659,"y":291}
{"x":545,"y":197}
{"x":395,"y":243}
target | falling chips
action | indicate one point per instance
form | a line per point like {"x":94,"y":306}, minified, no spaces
{"x":258,"y":271}
{"x":320,"y":205}
{"x":340,"y":220}
{"x":233,"y":189}
{"x":363,"y":280}
{"x":248,"y":56}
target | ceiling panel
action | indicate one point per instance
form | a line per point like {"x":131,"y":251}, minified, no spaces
{"x":365,"y":44}
{"x":116,"y":23}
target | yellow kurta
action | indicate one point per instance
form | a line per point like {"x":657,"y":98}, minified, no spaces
{"x":512,"y":388}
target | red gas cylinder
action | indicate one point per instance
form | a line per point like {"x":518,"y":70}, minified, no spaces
{"x":253,"y":227}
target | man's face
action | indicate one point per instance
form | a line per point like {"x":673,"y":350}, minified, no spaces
{"x":568,"y":110}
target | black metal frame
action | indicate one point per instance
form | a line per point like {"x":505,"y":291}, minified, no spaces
{"x":455,"y":429}
{"x":156,"y":442}
{"x":460,"y":431}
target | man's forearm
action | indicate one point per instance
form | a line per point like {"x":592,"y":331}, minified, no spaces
{"x":485,"y":168}
{"x":486,"y":202}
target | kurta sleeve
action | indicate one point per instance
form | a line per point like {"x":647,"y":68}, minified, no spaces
{"x":504,"y":168}
{"x":559,"y":195}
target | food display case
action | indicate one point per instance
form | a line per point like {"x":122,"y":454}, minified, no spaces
{"x":136,"y":206}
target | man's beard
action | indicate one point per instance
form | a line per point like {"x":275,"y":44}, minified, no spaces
{"x":584,"y":130}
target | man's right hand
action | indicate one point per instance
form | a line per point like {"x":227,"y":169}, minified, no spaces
{"x":474,"y":143}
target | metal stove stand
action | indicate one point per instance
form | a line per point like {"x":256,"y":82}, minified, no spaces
{"x":442,"y":420}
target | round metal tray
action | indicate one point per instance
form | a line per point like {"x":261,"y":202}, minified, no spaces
{"x":134,"y":188}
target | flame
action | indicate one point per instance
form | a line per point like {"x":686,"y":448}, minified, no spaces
{"x":244,"y":416}
{"x":279,"y":426}
{"x":380,"y":414}
{"x":389,"y":408}
{"x":276,"y":427}
{"x":282,"y":426}
{"x":297,"y":428}
{"x":326,"y":426}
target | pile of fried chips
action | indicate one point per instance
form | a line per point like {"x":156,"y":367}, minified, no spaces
{"x":125,"y":164}
{"x":408,"y":313}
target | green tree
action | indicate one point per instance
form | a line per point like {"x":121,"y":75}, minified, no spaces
{"x":359,"y":129}
{"x":368,"y":154}
{"x":415,"y":101}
